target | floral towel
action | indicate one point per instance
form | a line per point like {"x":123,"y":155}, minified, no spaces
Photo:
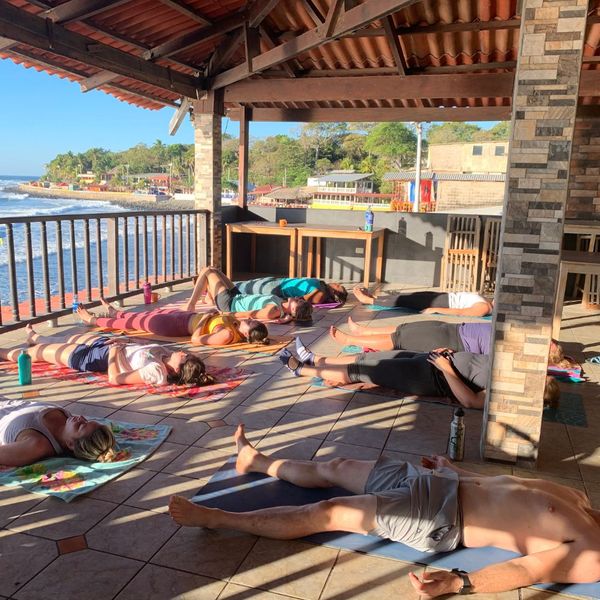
{"x":68,"y":477}
{"x":227,"y":379}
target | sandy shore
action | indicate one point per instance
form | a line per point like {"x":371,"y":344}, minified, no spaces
{"x":122,"y":199}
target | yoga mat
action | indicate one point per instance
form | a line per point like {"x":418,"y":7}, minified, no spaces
{"x":66,"y":477}
{"x":230,"y":491}
{"x":408,"y":311}
{"x":328,"y":305}
{"x":277,"y":342}
{"x":570,"y":411}
{"x":227,"y":379}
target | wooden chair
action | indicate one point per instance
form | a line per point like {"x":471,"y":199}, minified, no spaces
{"x":460,"y":262}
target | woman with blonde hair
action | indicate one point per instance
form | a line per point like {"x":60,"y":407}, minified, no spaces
{"x":33,"y":431}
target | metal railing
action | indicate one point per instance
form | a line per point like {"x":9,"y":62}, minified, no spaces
{"x":109,"y":254}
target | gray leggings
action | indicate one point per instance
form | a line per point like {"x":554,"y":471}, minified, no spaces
{"x":425,"y":336}
{"x":408,"y":372}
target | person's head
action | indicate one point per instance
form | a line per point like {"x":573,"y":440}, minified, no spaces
{"x":89,"y":440}
{"x":299,"y":309}
{"x":337,"y":292}
{"x":187,"y":368}
{"x":551,"y":393}
{"x":557,"y":358}
{"x":254,"y":331}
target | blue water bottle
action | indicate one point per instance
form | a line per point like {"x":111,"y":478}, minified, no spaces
{"x":369,"y":218}
{"x":24,"y":365}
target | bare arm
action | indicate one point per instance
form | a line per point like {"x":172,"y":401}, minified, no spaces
{"x":25,"y":451}
{"x":315,"y":297}
{"x":269,"y":312}
{"x":118,"y":373}
{"x":566,"y":563}
{"x":221,"y":337}
{"x":462,"y":392}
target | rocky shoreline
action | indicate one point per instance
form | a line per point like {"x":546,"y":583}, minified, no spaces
{"x":123,"y":200}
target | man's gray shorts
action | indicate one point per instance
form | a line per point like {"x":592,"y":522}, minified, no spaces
{"x":416,"y":506}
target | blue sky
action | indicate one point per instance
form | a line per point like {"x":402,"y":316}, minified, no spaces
{"x":42,"y":116}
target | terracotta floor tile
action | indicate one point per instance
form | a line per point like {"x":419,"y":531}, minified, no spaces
{"x":132,"y":532}
{"x":94,"y":576}
{"x":184,"y":431}
{"x":119,"y":489}
{"x":165,"y":454}
{"x":216,"y":554}
{"x":72,"y":544}
{"x":356,"y":576}
{"x":197,"y":463}
{"x":14,"y":501}
{"x":234,"y":591}
{"x":155,"y":494}
{"x":288,"y":567}
{"x":55,"y":519}
{"x":21,"y":558}
{"x":160,"y":583}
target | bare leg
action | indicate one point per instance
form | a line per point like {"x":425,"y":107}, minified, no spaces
{"x":211,"y":282}
{"x":111,"y":310}
{"x":350,"y":474}
{"x":336,"y":373}
{"x":355,"y":514}
{"x":86,"y":316}
{"x":76,"y":338}
{"x":56,"y":354}
{"x":378,"y":342}
{"x":364,"y":330}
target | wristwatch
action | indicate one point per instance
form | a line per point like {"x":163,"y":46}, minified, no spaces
{"x":467,"y":586}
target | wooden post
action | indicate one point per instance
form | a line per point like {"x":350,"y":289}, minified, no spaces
{"x":243,"y":157}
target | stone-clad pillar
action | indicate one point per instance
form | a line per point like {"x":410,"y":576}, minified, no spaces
{"x":207,"y":181}
{"x":544,"y":107}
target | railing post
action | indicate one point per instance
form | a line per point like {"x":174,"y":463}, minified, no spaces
{"x":112,"y":256}
{"x":12,"y":272}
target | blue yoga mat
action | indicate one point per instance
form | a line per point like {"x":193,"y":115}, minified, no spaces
{"x":570,"y":411}
{"x":230,"y":491}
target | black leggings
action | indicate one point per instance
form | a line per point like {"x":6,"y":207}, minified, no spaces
{"x":408,"y":372}
{"x":421,"y":300}
{"x":424,"y":336}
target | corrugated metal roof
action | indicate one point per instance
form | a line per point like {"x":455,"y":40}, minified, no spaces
{"x":342,"y":177}
{"x":410,"y":176}
{"x":435,"y":37}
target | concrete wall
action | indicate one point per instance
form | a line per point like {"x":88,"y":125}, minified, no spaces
{"x":413,"y":244}
{"x":461,"y":194}
{"x":459,"y":158}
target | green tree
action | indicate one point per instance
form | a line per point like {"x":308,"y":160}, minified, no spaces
{"x":395,"y":143}
{"x":448,"y":133}
{"x":323,"y":140}
{"x":499,"y":132}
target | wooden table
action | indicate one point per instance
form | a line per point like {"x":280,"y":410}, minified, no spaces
{"x":318,"y":232}
{"x":571,"y":261}
{"x":260,"y":228}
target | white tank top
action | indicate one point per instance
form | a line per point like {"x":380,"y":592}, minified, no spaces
{"x":464,"y":299}
{"x":18,"y":415}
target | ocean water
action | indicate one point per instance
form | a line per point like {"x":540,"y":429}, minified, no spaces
{"x":14,"y":205}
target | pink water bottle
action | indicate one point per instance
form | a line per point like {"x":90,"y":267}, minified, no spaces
{"x":147,"y":289}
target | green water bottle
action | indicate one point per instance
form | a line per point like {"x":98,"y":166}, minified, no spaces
{"x":24,"y":364}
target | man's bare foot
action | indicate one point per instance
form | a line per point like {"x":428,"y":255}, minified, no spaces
{"x":86,"y":316}
{"x":110,"y":309}
{"x":363,"y":295}
{"x":354,"y":327}
{"x":339,"y":336}
{"x":247,"y":453}
{"x":184,"y":512}
{"x":32,"y":336}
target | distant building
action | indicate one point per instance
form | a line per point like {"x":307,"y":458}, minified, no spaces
{"x":346,"y":189}
{"x":466,"y":175}
{"x":86,"y":178}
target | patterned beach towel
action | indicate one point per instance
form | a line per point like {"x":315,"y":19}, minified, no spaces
{"x":227,"y":379}
{"x":68,"y":477}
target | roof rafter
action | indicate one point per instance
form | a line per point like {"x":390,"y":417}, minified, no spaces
{"x":351,"y":20}
{"x":95,"y":81}
{"x":394,"y":44}
{"x":259,"y":10}
{"x":187,"y":40}
{"x":313,"y":12}
{"x":484,"y":113}
{"x":75,"y":10}
{"x":188,"y":11}
{"x":332,"y":18}
{"x":224,"y":51}
{"x":20,"y":26}
{"x":269,"y":38}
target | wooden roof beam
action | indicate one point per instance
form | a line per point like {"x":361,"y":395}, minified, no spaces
{"x":23,"y":27}
{"x":5,"y":43}
{"x":259,"y":11}
{"x":186,"y":10}
{"x":318,"y":89}
{"x":251,"y":45}
{"x":224,"y":51}
{"x":351,"y":20}
{"x":269,"y":38}
{"x":95,"y":81}
{"x":187,"y":40}
{"x":394,"y":44}
{"x":311,"y":115}
{"x":332,"y":18}
{"x":75,"y":10}
{"x":313,"y":12}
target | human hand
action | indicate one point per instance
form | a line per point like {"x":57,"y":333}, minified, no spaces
{"x":435,"y":461}
{"x":440,"y":362}
{"x":443,"y":351}
{"x":436,"y":583}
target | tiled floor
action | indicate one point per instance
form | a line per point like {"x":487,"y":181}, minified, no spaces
{"x":118,"y":542}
